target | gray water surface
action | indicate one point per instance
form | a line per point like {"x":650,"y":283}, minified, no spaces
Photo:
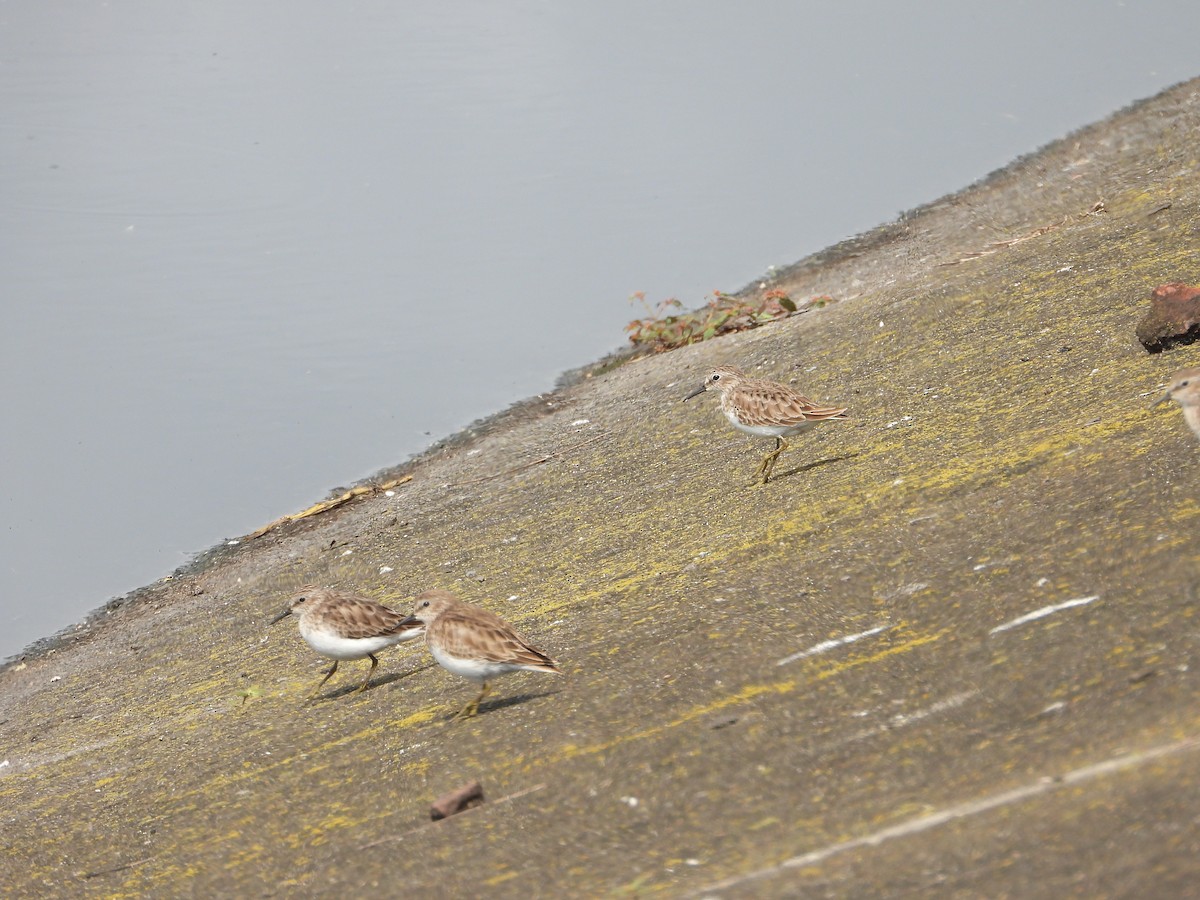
{"x":249,"y":251}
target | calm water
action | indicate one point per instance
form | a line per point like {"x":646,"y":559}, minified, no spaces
{"x":249,"y":251}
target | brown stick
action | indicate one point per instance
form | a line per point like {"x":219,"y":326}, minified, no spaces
{"x":326,"y":505}
{"x":467,"y":812}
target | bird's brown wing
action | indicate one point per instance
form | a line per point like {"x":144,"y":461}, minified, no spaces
{"x":483,"y":635}
{"x":771,"y":403}
{"x":363,"y":618}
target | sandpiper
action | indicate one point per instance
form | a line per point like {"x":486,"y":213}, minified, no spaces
{"x":472,"y":642}
{"x":764,"y":408}
{"x":1184,"y":389}
{"x":341,"y":625}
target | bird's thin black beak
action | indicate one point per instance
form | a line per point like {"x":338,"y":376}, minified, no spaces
{"x":1161,"y":400}
{"x":699,"y":390}
{"x":409,"y":622}
{"x":283,"y":615}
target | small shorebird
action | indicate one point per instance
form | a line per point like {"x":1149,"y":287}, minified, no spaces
{"x":474,"y":643}
{"x":340,"y":625}
{"x":1184,"y":389}
{"x":764,"y":408}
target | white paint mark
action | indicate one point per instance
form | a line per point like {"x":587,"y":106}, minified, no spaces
{"x":232,"y":543}
{"x":4,"y":765}
{"x":1043,"y":612}
{"x":347,"y":552}
{"x":830,"y":644}
{"x":631,"y":802}
{"x":1042,"y":582}
{"x":56,"y":678}
{"x":581,"y":422}
{"x":907,"y":590}
{"x":963,"y":810}
{"x":389,"y":493}
{"x":383,"y":570}
{"x":901,"y":719}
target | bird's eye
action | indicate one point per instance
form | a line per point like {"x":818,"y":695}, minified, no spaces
{"x":426,"y":603}
{"x":1183,"y":384}
{"x":716,"y":376}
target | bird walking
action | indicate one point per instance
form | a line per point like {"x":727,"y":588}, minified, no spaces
{"x":764,"y":408}
{"x":340,"y":625}
{"x":1184,"y":389}
{"x":474,"y":643}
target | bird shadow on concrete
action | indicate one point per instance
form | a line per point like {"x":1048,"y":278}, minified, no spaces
{"x":815,"y":464}
{"x":377,"y":682}
{"x":489,"y":706}
{"x":400,"y":676}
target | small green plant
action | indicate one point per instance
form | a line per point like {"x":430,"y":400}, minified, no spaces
{"x":665,"y":327}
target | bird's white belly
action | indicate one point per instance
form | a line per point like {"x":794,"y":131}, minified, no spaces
{"x":766,"y":430}
{"x":476,"y":669}
{"x":1191,"y":415}
{"x":337,"y":647}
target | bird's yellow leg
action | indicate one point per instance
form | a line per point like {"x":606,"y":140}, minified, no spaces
{"x":317,"y":689}
{"x":473,"y":707}
{"x":374,"y":662}
{"x":768,"y":462}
